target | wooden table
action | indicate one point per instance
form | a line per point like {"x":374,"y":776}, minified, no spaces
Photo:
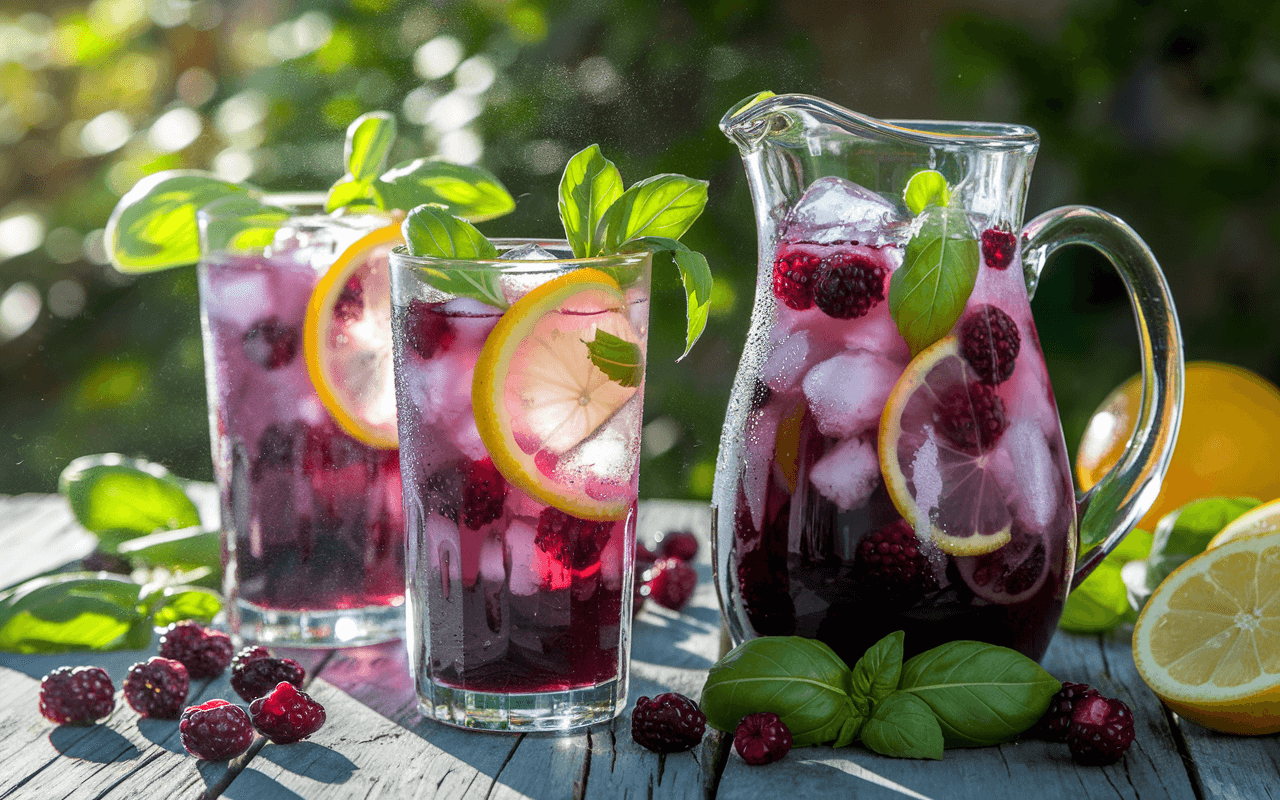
{"x":377,"y":745}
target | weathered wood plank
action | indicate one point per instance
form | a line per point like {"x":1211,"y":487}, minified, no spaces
{"x":1233,"y":767}
{"x":37,"y":534}
{"x":1152,"y":767}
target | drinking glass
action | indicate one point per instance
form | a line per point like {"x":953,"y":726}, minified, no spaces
{"x":520,"y":460}
{"x":313,"y":532}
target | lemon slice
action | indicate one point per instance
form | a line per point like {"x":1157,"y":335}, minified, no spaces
{"x":1208,"y":640}
{"x":346,"y":339}
{"x":542,"y":407}
{"x":949,"y":495}
{"x":1260,"y":519}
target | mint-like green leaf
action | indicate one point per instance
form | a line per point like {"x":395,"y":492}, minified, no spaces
{"x":903,"y":726}
{"x":590,"y":185}
{"x":695,"y":274}
{"x":177,"y":603}
{"x":125,"y":497}
{"x":1101,"y":602}
{"x":621,"y":360}
{"x":981,"y":693}
{"x":876,"y":674}
{"x":472,"y":193}
{"x":1186,"y":532}
{"x":154,"y":225}
{"x":664,"y":205}
{"x":926,"y":188}
{"x":348,"y":192}
{"x":241,"y":224}
{"x":75,"y":611}
{"x":801,"y":680}
{"x":185,"y":548}
{"x":928,"y":292}
{"x":431,"y":231}
{"x":369,"y":141}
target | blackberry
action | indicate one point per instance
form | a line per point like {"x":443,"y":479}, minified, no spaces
{"x":971,"y":417}
{"x":157,"y":688}
{"x":671,"y":582}
{"x":849,"y":285}
{"x":762,"y":738}
{"x":1101,"y":731}
{"x":426,"y":330}
{"x":254,"y":673}
{"x":77,"y":696}
{"x":891,"y":565}
{"x":998,"y":247}
{"x":760,"y":395}
{"x":350,"y":303}
{"x":270,"y":343}
{"x":1057,"y":719}
{"x":286,"y":715}
{"x":571,"y":541}
{"x":989,"y":341}
{"x":203,"y":652}
{"x":669,"y":723}
{"x":483,"y":492}
{"x":677,"y":544}
{"x":793,"y":279}
{"x":215,"y":731}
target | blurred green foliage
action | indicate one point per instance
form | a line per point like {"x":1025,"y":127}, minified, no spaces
{"x":1167,"y":117}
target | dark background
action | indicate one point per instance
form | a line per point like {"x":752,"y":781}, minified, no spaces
{"x":1165,"y":114}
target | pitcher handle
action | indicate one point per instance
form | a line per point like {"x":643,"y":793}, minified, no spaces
{"x":1109,"y":510}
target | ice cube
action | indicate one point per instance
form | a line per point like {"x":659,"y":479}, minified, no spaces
{"x":847,"y":392}
{"x":1032,"y":481}
{"x":848,"y":473}
{"x":240,"y":297}
{"x":523,"y":554}
{"x":528,"y":252}
{"x":878,"y":333}
{"x":492,"y":567}
{"x":784,"y":366}
{"x":837,"y":210}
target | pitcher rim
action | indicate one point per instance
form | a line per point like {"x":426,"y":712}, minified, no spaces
{"x":984,"y":135}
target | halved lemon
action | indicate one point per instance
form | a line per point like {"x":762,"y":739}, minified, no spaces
{"x":949,"y":495}
{"x":543,"y":408}
{"x":346,"y":339}
{"x":1208,"y":640}
{"x":1260,"y":519}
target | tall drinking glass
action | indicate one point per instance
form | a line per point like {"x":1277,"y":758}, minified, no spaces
{"x":519,"y":444}
{"x":313,"y":532}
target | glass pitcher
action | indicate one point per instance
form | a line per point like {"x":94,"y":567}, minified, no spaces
{"x":892,"y":456}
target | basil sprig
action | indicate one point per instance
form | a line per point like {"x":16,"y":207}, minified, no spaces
{"x":960,"y":694}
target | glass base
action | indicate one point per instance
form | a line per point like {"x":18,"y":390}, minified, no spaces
{"x":345,"y":627}
{"x":522,"y":713}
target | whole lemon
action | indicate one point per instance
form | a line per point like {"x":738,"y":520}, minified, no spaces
{"x":1226,"y":445}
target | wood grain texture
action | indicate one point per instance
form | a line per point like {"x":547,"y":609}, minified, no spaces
{"x":38,"y":533}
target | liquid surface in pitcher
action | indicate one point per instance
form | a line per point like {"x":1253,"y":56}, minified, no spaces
{"x":864,"y":488}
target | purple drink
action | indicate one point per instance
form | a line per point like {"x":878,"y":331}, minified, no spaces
{"x":313,"y":523}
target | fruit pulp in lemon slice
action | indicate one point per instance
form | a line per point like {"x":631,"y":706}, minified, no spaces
{"x":949,"y":493}
{"x":347,"y":339}
{"x":555,"y":425}
{"x":1208,"y":640}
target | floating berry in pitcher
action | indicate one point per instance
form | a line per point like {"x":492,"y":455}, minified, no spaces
{"x":793,"y":279}
{"x":669,"y":723}
{"x":425,"y":330}
{"x":998,"y":247}
{"x":350,"y":303}
{"x":483,"y":492}
{"x":1101,"y":731}
{"x":77,"y":696}
{"x":571,"y":541}
{"x":270,"y":343}
{"x":989,"y":341}
{"x":157,"y":688}
{"x":762,"y":738}
{"x":215,"y":731}
{"x":971,"y":417}
{"x":849,"y":285}
{"x":891,"y":563}
{"x":205,"y":653}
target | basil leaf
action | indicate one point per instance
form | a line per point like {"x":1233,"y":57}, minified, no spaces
{"x":928,"y":292}
{"x":75,"y":611}
{"x":853,"y":725}
{"x":801,"y":680}
{"x":903,"y":726}
{"x":664,"y":205}
{"x":154,"y":225}
{"x":590,"y":185}
{"x":1185,"y":532}
{"x":119,"y":498}
{"x":177,"y":603}
{"x":242,"y":224}
{"x":621,"y":360}
{"x":430,"y":230}
{"x":926,"y":188}
{"x":369,"y":141}
{"x":876,"y":674}
{"x":695,"y":274}
{"x":347,"y":193}
{"x":186,"y":548}
{"x":981,"y":693}
{"x":468,"y":192}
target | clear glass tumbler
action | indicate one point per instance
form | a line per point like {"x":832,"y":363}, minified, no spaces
{"x":313,"y":530}
{"x":519,"y":387}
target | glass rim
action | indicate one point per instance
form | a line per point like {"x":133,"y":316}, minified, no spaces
{"x":401,"y":257}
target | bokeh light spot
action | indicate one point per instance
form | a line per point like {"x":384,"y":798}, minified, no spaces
{"x":462,"y":146}
{"x":196,"y":86}
{"x":105,"y":133}
{"x":19,"y":310}
{"x":437,"y":58}
{"x":66,"y":298}
{"x":174,"y":130}
{"x":20,"y":232}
